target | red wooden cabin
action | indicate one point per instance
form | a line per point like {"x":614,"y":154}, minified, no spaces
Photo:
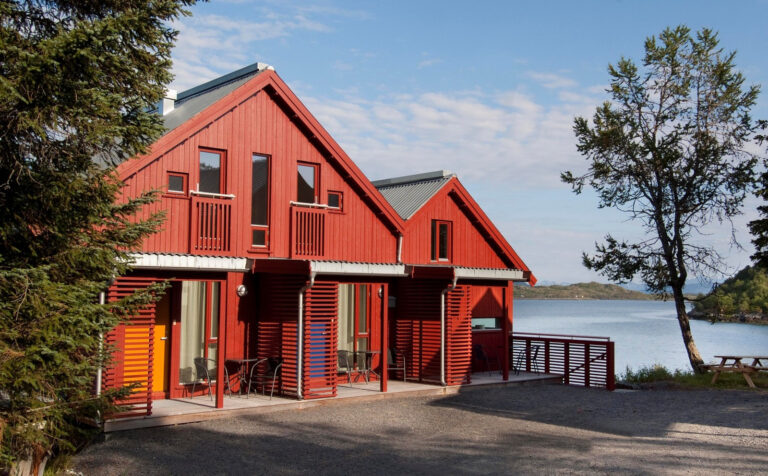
{"x":277,"y":245}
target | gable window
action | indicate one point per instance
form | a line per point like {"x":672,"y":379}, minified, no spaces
{"x":177,"y":183}
{"x":441,"y":240}
{"x":335,"y":200}
{"x":259,"y":199}
{"x":211,"y":171}
{"x":307,"y":183}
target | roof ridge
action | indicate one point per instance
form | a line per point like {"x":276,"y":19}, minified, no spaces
{"x":215,"y":83}
{"x":415,"y":178}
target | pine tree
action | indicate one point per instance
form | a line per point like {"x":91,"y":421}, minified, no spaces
{"x":77,"y":82}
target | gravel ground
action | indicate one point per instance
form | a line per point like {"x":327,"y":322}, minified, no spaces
{"x":498,"y":430}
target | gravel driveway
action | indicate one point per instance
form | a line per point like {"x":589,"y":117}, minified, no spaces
{"x":498,"y":430}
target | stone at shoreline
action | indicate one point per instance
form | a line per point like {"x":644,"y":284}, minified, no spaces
{"x":743,"y":317}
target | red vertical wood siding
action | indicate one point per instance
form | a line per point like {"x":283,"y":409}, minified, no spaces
{"x":133,"y":340}
{"x":487,"y":301}
{"x":320,"y":340}
{"x":469,"y":247}
{"x":259,"y":125}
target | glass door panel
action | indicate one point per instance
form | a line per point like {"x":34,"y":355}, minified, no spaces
{"x":346,"y":317}
{"x":192,"y":328}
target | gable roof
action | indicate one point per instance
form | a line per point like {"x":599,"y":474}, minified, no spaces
{"x":409,"y":193}
{"x":209,"y":101}
{"x":191,"y":102}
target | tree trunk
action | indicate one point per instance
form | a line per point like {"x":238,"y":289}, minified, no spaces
{"x":685,"y":328}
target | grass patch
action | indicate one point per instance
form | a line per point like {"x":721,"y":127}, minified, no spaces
{"x":658,"y":374}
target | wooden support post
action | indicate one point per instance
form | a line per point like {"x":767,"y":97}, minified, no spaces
{"x":384,"y":377}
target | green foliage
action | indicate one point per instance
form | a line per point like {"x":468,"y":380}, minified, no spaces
{"x":579,"y":291}
{"x":658,"y":374}
{"x":759,"y":227}
{"x":670,"y":151}
{"x":653,"y":373}
{"x":77,"y":82}
{"x":747,"y":291}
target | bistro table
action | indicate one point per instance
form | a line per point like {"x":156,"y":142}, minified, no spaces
{"x":243,"y":375}
{"x":732,"y":363}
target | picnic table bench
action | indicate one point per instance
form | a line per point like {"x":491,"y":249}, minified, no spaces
{"x":734,"y":364}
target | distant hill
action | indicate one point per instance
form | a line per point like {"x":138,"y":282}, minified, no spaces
{"x":742,"y":298}
{"x":579,"y":291}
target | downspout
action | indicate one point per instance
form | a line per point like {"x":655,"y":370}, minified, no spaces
{"x":445,"y":291}
{"x":300,"y":346}
{"x":102,"y":301}
{"x":399,"y":248}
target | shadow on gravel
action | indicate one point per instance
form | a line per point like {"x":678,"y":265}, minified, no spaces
{"x":480,"y":431}
{"x":633,"y":413}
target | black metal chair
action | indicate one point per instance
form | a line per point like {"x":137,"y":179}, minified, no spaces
{"x":274,"y":364}
{"x":396,"y":361}
{"x":204,"y":372}
{"x":521,"y":354}
{"x":479,"y":353}
{"x":363,"y":364}
{"x":344,"y":364}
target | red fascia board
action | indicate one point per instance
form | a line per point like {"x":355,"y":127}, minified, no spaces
{"x":281,"y":266}
{"x":259,"y":83}
{"x":337,"y":153}
{"x":491,"y":229}
{"x":432,"y":272}
{"x":453,"y":186}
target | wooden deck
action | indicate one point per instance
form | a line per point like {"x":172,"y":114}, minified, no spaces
{"x":189,"y":410}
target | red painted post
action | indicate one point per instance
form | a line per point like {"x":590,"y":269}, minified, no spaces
{"x":586,"y":365}
{"x":567,"y":363}
{"x":546,"y":356}
{"x":384,"y":336}
{"x":610,"y":377}
{"x":527,"y":355}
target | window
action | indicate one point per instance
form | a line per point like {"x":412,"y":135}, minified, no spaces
{"x":354,"y":317}
{"x":441,"y":240}
{"x":334,"y":200}
{"x":259,"y":199}
{"x":307,"y":184}
{"x":211,"y":172}
{"x":486,"y":323}
{"x":177,"y":183}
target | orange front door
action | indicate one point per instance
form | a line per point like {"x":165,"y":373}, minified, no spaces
{"x":162,"y":347}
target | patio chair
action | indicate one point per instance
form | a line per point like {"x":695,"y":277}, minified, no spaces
{"x":479,"y":353}
{"x":363,"y":367}
{"x":521,"y":356}
{"x":261,"y":379}
{"x":396,"y":361}
{"x":344,"y":364}
{"x":204,"y":372}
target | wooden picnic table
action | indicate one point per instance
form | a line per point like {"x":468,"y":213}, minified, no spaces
{"x":734,"y":364}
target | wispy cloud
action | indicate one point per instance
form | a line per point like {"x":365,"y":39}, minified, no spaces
{"x":428,"y":62}
{"x":210,"y":45}
{"x":551,"y":80}
{"x":504,"y":137}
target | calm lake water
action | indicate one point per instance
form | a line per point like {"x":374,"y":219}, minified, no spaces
{"x":645,"y":332}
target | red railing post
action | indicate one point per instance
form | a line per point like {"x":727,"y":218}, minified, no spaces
{"x":586,"y":365}
{"x":609,"y":370}
{"x":567,"y":363}
{"x":546,"y":356}
{"x":527,"y":355}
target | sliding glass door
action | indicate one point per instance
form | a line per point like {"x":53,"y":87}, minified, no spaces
{"x":199,"y":326}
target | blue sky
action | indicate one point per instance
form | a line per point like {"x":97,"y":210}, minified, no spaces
{"x":487,"y":90}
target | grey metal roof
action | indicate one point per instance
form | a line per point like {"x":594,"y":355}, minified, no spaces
{"x":408,"y":194}
{"x":193,"y":101}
